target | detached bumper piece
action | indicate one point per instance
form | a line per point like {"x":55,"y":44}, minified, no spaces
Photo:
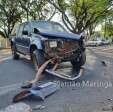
{"x":39,"y":92}
{"x":69,"y":75}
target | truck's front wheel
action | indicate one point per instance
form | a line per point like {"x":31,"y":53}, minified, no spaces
{"x":78,"y":63}
{"x":14,"y":53}
{"x":37,"y":58}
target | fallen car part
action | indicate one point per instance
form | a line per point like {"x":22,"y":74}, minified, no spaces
{"x":54,"y":72}
{"x":39,"y":107}
{"x":39,"y":92}
{"x":40,"y":71}
{"x":38,"y":75}
{"x":103,"y":63}
{"x":65,"y":76}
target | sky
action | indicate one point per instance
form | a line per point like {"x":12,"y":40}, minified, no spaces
{"x":57,"y":18}
{"x":98,"y":28}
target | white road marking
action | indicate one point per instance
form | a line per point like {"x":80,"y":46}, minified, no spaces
{"x":3,"y":59}
{"x":11,"y":85}
{"x":6,"y":89}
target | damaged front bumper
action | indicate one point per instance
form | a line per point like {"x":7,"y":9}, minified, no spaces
{"x":64,"y":50}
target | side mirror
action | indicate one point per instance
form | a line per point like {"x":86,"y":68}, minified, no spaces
{"x":36,"y":30}
{"x":24,"y":32}
{"x":82,"y":37}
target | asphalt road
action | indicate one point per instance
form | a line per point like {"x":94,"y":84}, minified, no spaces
{"x":90,"y":93}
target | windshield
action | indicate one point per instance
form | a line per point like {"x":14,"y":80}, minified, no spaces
{"x":48,"y":26}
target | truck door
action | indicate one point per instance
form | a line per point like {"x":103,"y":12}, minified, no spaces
{"x":26,"y":37}
{"x":18,"y":39}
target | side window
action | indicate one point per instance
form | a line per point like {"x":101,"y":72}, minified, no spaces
{"x":27,"y":27}
{"x":20,"y":30}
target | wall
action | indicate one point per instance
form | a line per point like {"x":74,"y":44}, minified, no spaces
{"x":4,"y":43}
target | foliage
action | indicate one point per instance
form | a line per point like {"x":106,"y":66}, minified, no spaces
{"x":14,"y":11}
{"x":36,"y":9}
{"x":78,"y":15}
{"x":9,"y":15}
{"x":107,"y":29}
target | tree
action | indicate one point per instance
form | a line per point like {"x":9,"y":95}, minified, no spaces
{"x":14,"y":11}
{"x":107,"y":29}
{"x":78,"y":15}
{"x":9,"y":15}
{"x":37,"y":9}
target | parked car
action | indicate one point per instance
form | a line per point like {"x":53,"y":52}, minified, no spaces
{"x":95,"y":42}
{"x":43,"y":40}
{"x":105,"y":42}
{"x":98,"y":42}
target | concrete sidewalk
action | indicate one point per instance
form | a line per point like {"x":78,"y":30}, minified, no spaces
{"x":5,"y":53}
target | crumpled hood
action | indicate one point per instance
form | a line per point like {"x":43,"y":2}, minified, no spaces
{"x":61,"y":35}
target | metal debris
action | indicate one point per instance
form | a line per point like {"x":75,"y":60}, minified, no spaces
{"x":38,"y":75}
{"x":39,"y":107}
{"x":64,"y":76}
{"x":38,"y":92}
{"x":103,"y":63}
{"x":110,"y":99}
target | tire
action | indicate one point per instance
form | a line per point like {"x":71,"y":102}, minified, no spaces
{"x":77,"y":64}
{"x":14,"y":53}
{"x":37,"y":58}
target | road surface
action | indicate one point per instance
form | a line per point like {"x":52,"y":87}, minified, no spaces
{"x":90,"y":93}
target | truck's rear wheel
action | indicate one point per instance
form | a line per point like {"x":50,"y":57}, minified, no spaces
{"x":14,"y":53}
{"x":37,"y":58}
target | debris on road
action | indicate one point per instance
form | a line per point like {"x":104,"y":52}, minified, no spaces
{"x":103,"y":63}
{"x":39,"y":107}
{"x":108,"y":108}
{"x":39,"y":92}
{"x":66,"y":76}
{"x":26,"y":85}
{"x":38,"y":75}
{"x":110,"y":99}
{"x":53,"y":71}
{"x":18,"y":107}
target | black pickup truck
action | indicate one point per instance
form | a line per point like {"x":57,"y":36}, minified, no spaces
{"x":42,"y":40}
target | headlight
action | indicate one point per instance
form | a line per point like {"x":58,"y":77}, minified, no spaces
{"x":53,"y":43}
